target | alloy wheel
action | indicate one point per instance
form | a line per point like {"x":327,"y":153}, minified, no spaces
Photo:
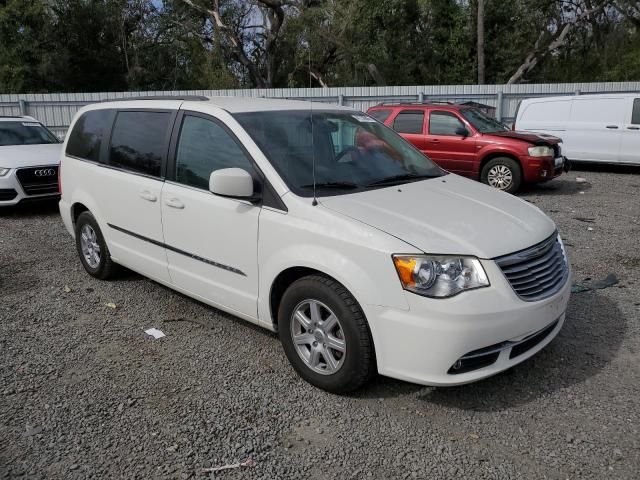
{"x":318,"y":337}
{"x":500,"y":177}
{"x":90,"y":246}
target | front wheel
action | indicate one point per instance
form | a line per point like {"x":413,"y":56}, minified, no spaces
{"x":325,"y":335}
{"x":502,"y":173}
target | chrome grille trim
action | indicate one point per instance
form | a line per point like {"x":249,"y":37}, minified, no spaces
{"x":33,"y":184}
{"x":537,"y":272}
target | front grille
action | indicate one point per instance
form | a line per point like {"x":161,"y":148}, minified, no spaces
{"x":7,"y":194}
{"x":557,"y":150}
{"x":538,"y":271}
{"x":39,"y":180}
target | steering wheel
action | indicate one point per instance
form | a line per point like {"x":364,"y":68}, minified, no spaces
{"x":346,"y":150}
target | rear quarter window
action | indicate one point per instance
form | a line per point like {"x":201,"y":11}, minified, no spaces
{"x":88,"y":134}
{"x":380,"y":115}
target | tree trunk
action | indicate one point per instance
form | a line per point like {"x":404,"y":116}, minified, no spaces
{"x":480,"y":41}
{"x":534,"y":55}
{"x":237,"y":48}
{"x":375,"y":74}
{"x":558,"y":40}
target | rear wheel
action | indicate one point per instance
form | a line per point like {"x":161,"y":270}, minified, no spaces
{"x":92,"y":248}
{"x":325,"y":335}
{"x":502,"y":173}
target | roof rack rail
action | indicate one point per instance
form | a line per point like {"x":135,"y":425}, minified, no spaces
{"x":186,"y":98}
{"x":426,"y":102}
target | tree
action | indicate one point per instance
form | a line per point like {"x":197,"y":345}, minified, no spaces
{"x":25,"y":55}
{"x":480,"y":40}
{"x":93,"y":45}
{"x":250,"y":32}
{"x":555,"y":30}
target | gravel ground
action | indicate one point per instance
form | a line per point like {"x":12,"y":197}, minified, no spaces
{"x":84,"y":393}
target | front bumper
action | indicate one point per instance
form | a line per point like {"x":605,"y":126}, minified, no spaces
{"x":542,"y":169}
{"x":12,"y":191}
{"x":422,"y":345}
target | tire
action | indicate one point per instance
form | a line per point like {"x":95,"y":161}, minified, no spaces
{"x":349,"y":369}
{"x":503,"y":173}
{"x":98,"y":265}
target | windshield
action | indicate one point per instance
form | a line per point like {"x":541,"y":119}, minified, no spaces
{"x":481,"y":121}
{"x":25,"y":133}
{"x":352,"y":151}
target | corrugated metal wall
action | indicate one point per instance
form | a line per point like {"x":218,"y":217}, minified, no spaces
{"x":57,"y":109}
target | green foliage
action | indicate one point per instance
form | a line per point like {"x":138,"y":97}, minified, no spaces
{"x":24,"y":31}
{"x":109,"y":45}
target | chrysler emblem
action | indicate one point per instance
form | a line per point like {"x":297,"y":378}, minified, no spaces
{"x":45,"y":172}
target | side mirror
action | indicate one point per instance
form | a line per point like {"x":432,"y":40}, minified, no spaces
{"x":232,"y":183}
{"x":462,"y":132}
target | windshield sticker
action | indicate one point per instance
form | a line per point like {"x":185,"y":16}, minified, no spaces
{"x":30,"y":124}
{"x":364,"y":118}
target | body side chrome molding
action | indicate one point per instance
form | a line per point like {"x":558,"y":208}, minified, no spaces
{"x":177,"y":250}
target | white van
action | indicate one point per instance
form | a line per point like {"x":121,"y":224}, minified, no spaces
{"x":594,"y":128}
{"x":319,"y":223}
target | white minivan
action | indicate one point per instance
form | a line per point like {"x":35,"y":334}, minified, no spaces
{"x":322,"y":224}
{"x":594,"y":128}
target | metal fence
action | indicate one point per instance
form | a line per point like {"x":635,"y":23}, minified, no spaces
{"x":57,"y":109}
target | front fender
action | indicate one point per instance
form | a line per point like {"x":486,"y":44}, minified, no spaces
{"x":364,"y":268}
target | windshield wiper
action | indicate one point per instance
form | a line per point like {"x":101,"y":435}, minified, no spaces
{"x":346,"y":185}
{"x":396,"y":179}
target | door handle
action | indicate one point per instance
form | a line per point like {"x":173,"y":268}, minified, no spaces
{"x":174,"y":203}
{"x":633,"y":128}
{"x":612,"y":126}
{"x":148,"y":196}
{"x":435,"y":140}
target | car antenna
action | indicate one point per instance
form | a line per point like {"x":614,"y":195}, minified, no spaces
{"x":313,"y":150}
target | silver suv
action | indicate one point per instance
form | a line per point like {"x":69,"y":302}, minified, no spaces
{"x":29,"y":160}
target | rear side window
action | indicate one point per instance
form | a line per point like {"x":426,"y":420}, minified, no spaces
{"x":635,"y":116}
{"x":87,"y":135}
{"x":380,"y":115}
{"x":410,"y":121}
{"x":138,"y":141}
{"x":444,"y":123}
{"x":204,"y":146}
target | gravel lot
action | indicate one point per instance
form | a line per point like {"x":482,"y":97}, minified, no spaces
{"x":84,"y":393}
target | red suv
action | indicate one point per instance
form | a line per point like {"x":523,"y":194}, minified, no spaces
{"x":466,"y":141}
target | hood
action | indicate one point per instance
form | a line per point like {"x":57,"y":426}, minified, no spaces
{"x":529,"y":137}
{"x":448,"y":215}
{"x":20,"y":156}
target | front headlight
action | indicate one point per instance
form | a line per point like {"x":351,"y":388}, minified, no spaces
{"x":4,"y":171}
{"x":540,"y":152}
{"x":439,"y":276}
